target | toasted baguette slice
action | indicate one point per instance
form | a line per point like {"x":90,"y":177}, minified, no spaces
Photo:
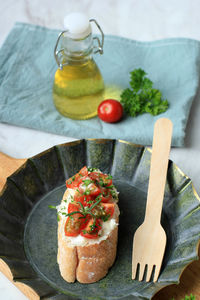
{"x":90,"y":260}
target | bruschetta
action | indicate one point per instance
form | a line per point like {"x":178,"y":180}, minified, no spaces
{"x":88,"y":219}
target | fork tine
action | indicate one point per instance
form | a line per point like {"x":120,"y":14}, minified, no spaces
{"x":156,"y":273}
{"x":134,"y":270}
{"x":141,"y":273}
{"x":149,"y":272}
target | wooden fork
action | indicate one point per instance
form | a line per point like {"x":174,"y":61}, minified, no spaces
{"x":150,"y":238}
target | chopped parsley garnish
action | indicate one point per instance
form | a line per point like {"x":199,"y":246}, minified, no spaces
{"x":87,"y":192}
{"x":87,"y":182}
{"x":92,"y":169}
{"x":93,"y":226}
{"x":105,"y":217}
{"x":110,"y":186}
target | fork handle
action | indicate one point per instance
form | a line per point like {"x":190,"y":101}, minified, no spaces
{"x":158,"y":169}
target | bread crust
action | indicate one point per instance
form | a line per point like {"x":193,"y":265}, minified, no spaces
{"x":87,"y":263}
{"x":67,"y":257}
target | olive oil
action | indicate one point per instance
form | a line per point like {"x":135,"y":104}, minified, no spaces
{"x":78,"y":89}
{"x":78,"y":85}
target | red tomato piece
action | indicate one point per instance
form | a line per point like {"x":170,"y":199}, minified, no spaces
{"x":92,"y":229}
{"x":89,"y":190}
{"x":110,"y":111}
{"x":109,"y":208}
{"x":94,"y":190}
{"x":74,"y":181}
{"x":83,"y":171}
{"x":105,"y":194}
{"x":107,"y":198}
{"x":84,"y":199}
{"x":73,"y":225}
{"x":73,"y":207}
{"x":107,"y":181}
{"x":94,"y":176}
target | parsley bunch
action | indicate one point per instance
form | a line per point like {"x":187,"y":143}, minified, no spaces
{"x":142,"y":97}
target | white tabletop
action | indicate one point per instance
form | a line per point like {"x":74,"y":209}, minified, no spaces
{"x":142,"y":20}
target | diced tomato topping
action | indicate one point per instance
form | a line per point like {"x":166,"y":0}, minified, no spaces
{"x":73,"y":207}
{"x":90,"y":189}
{"x":102,"y":179}
{"x":109,"y":208}
{"x":91,"y":231}
{"x":107,"y":181}
{"x":94,"y":175}
{"x":74,"y":181}
{"x":84,"y":199}
{"x":105,"y":194}
{"x":71,"y":183}
{"x":94,"y":190}
{"x":83,"y":171}
{"x":73,"y":225}
{"x":88,"y":186}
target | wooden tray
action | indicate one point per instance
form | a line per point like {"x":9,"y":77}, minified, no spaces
{"x":190,"y":279}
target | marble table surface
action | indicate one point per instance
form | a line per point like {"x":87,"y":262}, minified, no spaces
{"x":142,"y":20}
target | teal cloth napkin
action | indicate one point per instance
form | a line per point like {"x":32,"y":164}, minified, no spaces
{"x":27,"y":68}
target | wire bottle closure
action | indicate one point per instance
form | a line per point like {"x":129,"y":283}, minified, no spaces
{"x":96,"y":49}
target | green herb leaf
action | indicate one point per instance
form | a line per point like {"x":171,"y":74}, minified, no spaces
{"x":52,"y":206}
{"x":87,"y":192}
{"x":74,"y":212}
{"x":82,"y":207}
{"x":142,"y":97}
{"x":95,"y":204}
{"x":191,"y":297}
{"x":105,"y":217}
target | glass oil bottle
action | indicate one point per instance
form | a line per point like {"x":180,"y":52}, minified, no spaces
{"x":78,"y":85}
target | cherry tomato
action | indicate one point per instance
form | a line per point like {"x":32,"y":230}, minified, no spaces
{"x":76,"y":222}
{"x":105,"y":179}
{"x":110,"y":111}
{"x":75,"y":180}
{"x":109,"y":208}
{"x":83,"y":171}
{"x":92,"y":189}
{"x":73,"y":207}
{"x":73,"y":225}
{"x":84,"y":199}
{"x":94,"y":176}
{"x":106,"y":198}
{"x":92,"y":229}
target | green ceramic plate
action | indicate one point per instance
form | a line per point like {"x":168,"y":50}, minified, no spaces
{"x":28,"y":239}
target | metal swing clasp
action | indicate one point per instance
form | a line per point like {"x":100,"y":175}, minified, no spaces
{"x":58,"y":52}
{"x":100,"y":43}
